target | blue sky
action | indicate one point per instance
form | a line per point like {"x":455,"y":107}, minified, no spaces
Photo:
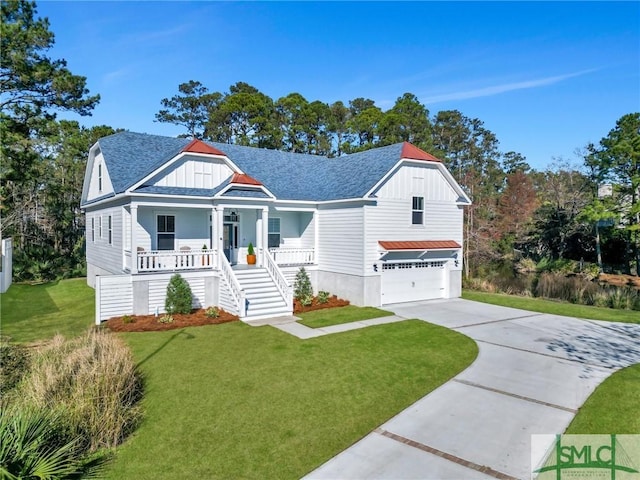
{"x":545,"y":77}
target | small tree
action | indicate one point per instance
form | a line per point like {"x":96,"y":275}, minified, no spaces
{"x":302,"y":286}
{"x":178,"y":296}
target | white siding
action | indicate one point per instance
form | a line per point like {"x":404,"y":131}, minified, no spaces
{"x":341,"y":240}
{"x":425,"y":181}
{"x":194,"y":172}
{"x":391,"y":220}
{"x":99,"y":252}
{"x":114,"y":296}
{"x":192,"y":227}
{"x":296,"y":228}
{"x":94,"y":191}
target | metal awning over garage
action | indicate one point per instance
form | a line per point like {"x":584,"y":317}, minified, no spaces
{"x":419,"y":245}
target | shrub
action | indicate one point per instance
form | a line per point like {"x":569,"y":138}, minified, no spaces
{"x":166,"y":318}
{"x":323,"y":297}
{"x":250,"y":250}
{"x":212,"y":312}
{"x":302,"y":287}
{"x":128,"y":319}
{"x":179,"y":296}
{"x":94,"y":379}
{"x":35,"y":443}
{"x":14,"y":363}
{"x":306,"y":300}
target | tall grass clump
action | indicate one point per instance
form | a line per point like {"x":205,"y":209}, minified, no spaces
{"x":93,"y":380}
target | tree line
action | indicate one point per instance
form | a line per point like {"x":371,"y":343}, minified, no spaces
{"x":517,"y":211}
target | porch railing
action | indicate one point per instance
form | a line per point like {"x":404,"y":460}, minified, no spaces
{"x":293,"y":256}
{"x":237,"y":292}
{"x":278,"y":278}
{"x":163,"y":260}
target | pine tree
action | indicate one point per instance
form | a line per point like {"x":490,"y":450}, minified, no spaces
{"x":302,"y":286}
{"x":178,"y":296}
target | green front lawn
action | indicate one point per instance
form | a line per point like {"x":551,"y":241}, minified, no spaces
{"x":613,"y":407}
{"x":234,"y":401}
{"x":554,"y":307}
{"x":336,"y":316}
{"x":37,"y":312}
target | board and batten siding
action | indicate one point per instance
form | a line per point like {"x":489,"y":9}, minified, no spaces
{"x":425,"y":181}
{"x":193,"y":172}
{"x":341,"y":240}
{"x":99,"y":169}
{"x":114,"y":296}
{"x":101,"y":253}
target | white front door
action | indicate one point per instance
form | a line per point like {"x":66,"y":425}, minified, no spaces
{"x":412,"y":281}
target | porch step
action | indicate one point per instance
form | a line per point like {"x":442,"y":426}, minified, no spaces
{"x":264,"y":298}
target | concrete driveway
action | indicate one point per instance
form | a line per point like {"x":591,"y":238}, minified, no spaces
{"x":532,"y":373}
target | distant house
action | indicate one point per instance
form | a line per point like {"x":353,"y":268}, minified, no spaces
{"x":377,"y":227}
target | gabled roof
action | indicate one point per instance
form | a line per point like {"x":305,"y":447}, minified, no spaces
{"x":244,"y":179}
{"x":131,"y":157}
{"x":198,"y":146}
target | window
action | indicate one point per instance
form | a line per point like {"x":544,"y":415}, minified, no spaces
{"x":166,"y":232}
{"x":99,"y":177}
{"x":109,"y":229}
{"x":100,"y":228}
{"x":417,"y":211}
{"x":274,"y":232}
{"x":93,"y":229}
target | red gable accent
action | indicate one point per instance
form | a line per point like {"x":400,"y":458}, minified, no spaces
{"x":414,"y":153}
{"x":244,"y":179}
{"x":420,"y":245}
{"x":198,"y":146}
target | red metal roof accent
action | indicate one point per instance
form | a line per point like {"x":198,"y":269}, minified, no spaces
{"x":198,"y":146}
{"x":244,"y":179}
{"x":420,"y":245}
{"x":414,"y":153}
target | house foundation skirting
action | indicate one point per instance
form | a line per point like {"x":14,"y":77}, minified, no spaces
{"x":118,"y":295}
{"x":359,"y":290}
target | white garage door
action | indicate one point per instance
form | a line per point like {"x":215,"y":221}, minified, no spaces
{"x":412,"y":281}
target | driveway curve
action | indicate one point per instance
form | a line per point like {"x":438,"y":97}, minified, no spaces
{"x":532,"y":373}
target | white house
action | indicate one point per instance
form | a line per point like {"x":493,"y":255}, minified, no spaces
{"x":376,"y":227}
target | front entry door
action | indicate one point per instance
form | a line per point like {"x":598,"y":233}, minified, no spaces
{"x":230,"y":242}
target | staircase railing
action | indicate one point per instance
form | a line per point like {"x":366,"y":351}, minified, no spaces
{"x":278,"y":278}
{"x":239,"y":296}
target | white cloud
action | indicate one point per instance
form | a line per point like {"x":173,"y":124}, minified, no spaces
{"x":502,"y":88}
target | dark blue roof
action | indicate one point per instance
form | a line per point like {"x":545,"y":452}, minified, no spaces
{"x":289,"y":176}
{"x":245,"y":192}
{"x":190,"y":192}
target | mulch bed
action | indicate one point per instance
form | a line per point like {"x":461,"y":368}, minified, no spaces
{"x":151,"y":323}
{"x":332,"y":303}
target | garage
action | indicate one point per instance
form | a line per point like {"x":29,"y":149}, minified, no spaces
{"x":414,"y":270}
{"x":412,"y":281}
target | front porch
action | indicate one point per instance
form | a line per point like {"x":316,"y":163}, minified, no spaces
{"x":159,"y":261}
{"x":169,"y":239}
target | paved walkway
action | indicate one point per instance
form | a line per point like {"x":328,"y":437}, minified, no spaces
{"x":290,"y":326}
{"x":532,"y":373}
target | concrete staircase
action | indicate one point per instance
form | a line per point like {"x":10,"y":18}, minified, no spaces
{"x":264,"y":298}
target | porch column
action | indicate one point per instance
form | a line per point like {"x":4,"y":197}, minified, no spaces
{"x":134,"y":239}
{"x":264,"y":239}
{"x":218,"y":227}
{"x":316,"y":235}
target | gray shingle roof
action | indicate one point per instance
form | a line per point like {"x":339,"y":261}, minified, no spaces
{"x":289,"y":176}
